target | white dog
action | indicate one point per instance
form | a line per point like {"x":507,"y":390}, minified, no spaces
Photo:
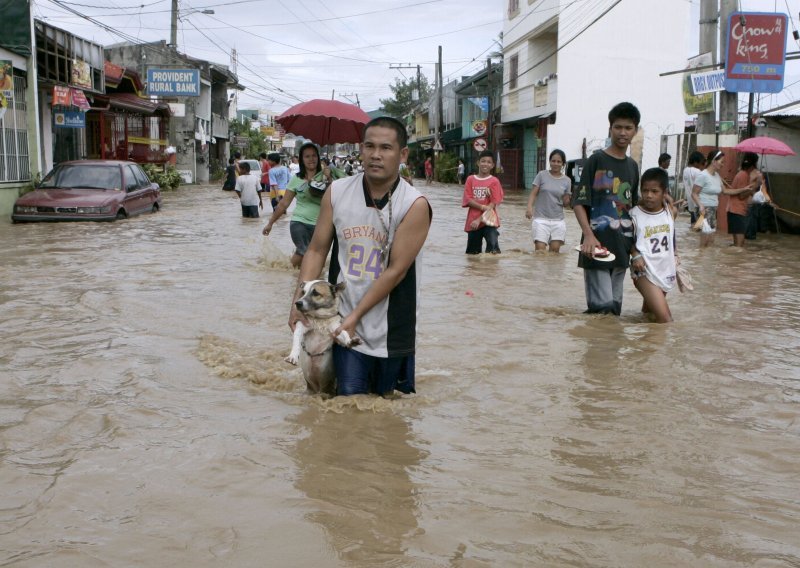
{"x":312,"y":346}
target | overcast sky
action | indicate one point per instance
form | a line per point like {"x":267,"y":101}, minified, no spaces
{"x":294,"y":50}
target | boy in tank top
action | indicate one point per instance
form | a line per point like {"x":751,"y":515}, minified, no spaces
{"x":653,"y":264}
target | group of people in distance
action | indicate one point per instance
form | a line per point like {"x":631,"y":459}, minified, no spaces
{"x":625,"y":220}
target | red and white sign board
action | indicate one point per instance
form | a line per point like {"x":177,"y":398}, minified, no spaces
{"x":479,"y":144}
{"x":756,"y":56}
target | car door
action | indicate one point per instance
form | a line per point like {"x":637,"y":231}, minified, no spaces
{"x":134,"y":198}
{"x":149,"y":194}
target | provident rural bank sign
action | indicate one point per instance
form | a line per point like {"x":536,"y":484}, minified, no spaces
{"x":756,"y":56}
{"x":173,"y":82}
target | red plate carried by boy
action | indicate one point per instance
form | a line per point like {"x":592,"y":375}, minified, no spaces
{"x":600,"y":253}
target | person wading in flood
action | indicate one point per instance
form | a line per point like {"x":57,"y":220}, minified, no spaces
{"x":608,"y":189}
{"x":381,"y":223}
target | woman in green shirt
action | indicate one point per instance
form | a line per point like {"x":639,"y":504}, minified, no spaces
{"x":308,"y":187}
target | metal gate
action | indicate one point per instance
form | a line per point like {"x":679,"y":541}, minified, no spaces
{"x":679,"y":146}
{"x":511,"y":162}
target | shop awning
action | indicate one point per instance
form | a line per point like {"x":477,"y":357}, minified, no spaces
{"x":134,"y":103}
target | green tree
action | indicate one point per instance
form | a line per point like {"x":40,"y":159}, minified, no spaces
{"x":256,"y":142}
{"x":403,"y":102}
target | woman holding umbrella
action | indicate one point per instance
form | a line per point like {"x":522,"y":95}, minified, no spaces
{"x":308,"y":186}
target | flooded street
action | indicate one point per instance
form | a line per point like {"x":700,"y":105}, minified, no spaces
{"x":147,"y":417}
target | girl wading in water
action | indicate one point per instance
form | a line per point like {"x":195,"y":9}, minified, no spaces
{"x":551,"y":192}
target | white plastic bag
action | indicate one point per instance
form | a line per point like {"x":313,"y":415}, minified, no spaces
{"x":707,"y":230}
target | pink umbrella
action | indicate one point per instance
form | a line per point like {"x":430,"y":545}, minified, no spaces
{"x":325,"y":121}
{"x":764,"y":145}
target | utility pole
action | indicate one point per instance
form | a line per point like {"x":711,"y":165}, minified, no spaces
{"x":173,"y":30}
{"x":489,"y":125}
{"x":728,"y":102}
{"x":419,"y":75}
{"x":728,"y":110}
{"x":441,"y":92}
{"x":707,"y":121}
{"x":348,"y":95}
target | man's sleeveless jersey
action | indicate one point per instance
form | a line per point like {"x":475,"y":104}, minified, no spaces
{"x":389,"y":328}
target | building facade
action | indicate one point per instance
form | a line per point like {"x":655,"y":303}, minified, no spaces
{"x":199,"y":130}
{"x":567,"y":63}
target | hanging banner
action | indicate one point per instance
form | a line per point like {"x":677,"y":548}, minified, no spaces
{"x":62,"y":96}
{"x":3,"y":105}
{"x":756,"y":57}
{"x":81,"y":74}
{"x":79,"y":99}
{"x":480,"y":102}
{"x":7,"y":78}
{"x":478,"y":128}
{"x":695,"y":104}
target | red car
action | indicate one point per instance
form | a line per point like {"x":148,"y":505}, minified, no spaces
{"x":89,"y":190}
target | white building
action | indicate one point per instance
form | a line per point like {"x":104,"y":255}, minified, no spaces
{"x":568,"y":62}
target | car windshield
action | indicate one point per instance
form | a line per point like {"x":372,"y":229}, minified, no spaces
{"x":89,"y":176}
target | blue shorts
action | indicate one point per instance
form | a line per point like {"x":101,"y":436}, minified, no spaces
{"x":301,"y":236}
{"x":357,"y":373}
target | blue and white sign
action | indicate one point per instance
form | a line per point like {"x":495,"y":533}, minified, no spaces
{"x":173,"y":82}
{"x":708,"y":82}
{"x":69,"y":119}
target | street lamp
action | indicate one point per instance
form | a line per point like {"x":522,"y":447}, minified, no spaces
{"x":173,"y":38}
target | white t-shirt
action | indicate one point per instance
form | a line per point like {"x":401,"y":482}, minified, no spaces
{"x":690,"y":174}
{"x":294,"y":169}
{"x":710,"y":188}
{"x":247,"y":186}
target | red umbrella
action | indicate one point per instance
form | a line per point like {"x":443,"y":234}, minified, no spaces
{"x":764,"y":145}
{"x":325,"y":121}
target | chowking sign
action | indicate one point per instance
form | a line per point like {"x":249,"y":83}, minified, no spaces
{"x":756,"y":56}
{"x":173,"y":82}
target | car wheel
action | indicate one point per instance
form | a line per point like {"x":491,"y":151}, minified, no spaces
{"x":121,"y":214}
{"x":155,"y":208}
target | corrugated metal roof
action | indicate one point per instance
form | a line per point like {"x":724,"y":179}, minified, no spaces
{"x":788,"y":110}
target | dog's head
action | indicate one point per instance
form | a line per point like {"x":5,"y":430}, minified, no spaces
{"x":319,"y":299}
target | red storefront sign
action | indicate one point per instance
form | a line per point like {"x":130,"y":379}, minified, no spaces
{"x":62,"y":96}
{"x":756,"y":56}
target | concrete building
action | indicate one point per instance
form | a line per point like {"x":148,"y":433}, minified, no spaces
{"x":567,"y":63}
{"x":199,"y":125}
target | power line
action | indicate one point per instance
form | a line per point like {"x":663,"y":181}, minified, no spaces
{"x":280,"y":24}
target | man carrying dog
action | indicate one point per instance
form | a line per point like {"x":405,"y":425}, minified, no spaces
{"x":380,"y":223}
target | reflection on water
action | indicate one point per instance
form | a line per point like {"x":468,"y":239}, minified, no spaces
{"x":356,"y":470}
{"x":146,"y":411}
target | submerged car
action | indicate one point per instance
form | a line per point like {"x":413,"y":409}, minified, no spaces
{"x":89,"y":190}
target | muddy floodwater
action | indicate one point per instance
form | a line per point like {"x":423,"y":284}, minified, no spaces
{"x":147,"y":417}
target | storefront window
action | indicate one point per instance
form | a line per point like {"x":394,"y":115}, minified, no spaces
{"x":14,"y":162}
